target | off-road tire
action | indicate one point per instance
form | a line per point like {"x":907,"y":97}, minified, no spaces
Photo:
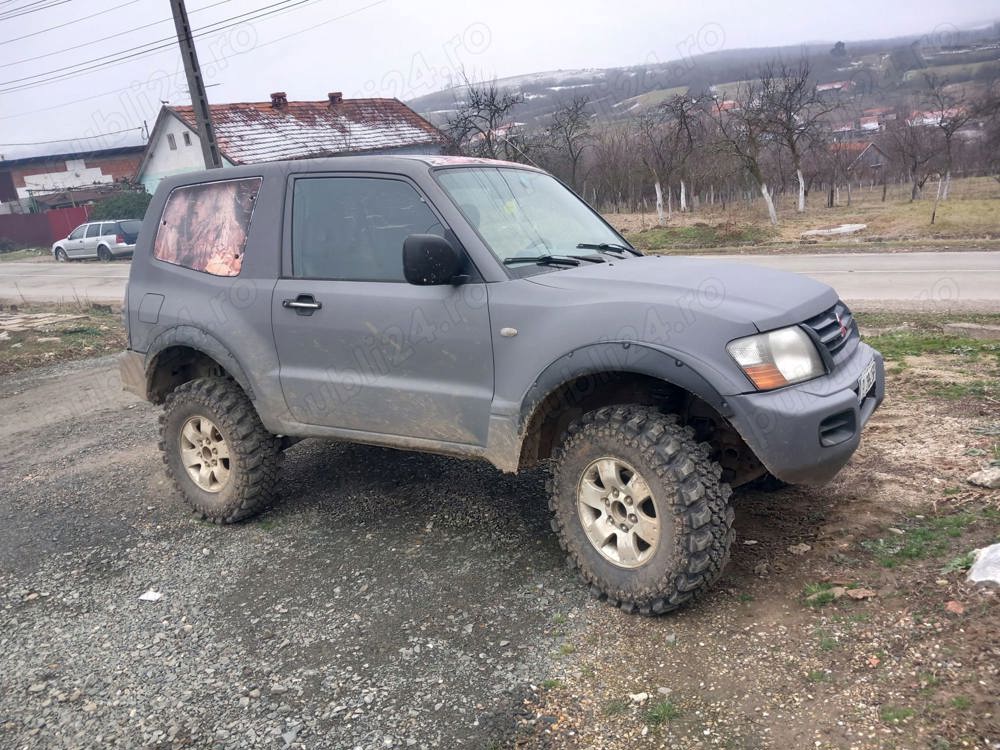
{"x":685,"y":485}
{"x":255,"y":454}
{"x":104,"y":254}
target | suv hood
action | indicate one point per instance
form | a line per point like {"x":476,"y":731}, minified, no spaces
{"x":770,"y":299}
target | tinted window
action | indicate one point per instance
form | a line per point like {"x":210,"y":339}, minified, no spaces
{"x":130,"y":226}
{"x":352,"y":228}
{"x":94,"y":230}
{"x":109,"y":229}
{"x":78,"y":232}
{"x":205,"y":227}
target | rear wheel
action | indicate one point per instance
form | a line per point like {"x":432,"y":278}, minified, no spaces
{"x":218,"y":454}
{"x":104,"y":254}
{"x":640,"y":509}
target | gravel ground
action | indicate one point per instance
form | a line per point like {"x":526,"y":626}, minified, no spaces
{"x":392,"y":600}
{"x":403,"y":600}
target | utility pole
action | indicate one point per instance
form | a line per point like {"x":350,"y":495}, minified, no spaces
{"x":196,"y":86}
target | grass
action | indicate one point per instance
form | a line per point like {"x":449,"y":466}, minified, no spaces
{"x":928,"y":538}
{"x":895,"y":714}
{"x":970,"y":216}
{"x":27,"y":254}
{"x":615,"y":707}
{"x":817,"y":595}
{"x":661,"y":713}
{"x":552,"y":684}
{"x":566,"y":649}
{"x":699,"y":235}
{"x":818,"y":675}
{"x":94,"y":330}
{"x":826,"y":642}
{"x":559,"y":618}
{"x":961,"y":702}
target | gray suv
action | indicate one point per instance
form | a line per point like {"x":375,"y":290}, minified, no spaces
{"x":481,"y":309}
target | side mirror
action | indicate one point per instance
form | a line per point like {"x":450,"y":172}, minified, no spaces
{"x":429,"y":260}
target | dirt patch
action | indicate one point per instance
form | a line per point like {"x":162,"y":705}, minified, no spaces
{"x":33,"y":336}
{"x":844,"y":618}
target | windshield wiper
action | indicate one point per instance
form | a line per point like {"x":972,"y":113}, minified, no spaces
{"x":544,"y":260}
{"x":608,"y":246}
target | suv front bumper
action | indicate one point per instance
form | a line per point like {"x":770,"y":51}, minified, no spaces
{"x":805,"y":434}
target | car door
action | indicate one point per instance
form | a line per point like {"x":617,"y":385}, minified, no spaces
{"x":361,"y":349}
{"x":90,"y":241}
{"x":74,"y":242}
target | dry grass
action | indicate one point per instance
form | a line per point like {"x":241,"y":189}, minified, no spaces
{"x":971,"y":214}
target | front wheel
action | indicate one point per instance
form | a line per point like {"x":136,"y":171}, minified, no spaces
{"x":640,"y":509}
{"x":61,"y":256}
{"x":218,"y":454}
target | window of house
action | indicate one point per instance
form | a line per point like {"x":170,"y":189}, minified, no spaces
{"x":352,"y":228}
{"x":187,"y":138}
{"x":171,"y":141}
{"x":205,"y":227}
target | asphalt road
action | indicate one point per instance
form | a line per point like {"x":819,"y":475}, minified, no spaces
{"x":910,"y":280}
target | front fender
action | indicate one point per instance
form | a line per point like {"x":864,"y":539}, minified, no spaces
{"x":662,"y":363}
{"x":202,"y":341}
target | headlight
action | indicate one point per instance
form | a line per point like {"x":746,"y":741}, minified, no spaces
{"x":778,"y":358}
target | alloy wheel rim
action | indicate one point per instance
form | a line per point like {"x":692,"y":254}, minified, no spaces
{"x":618,"y":513}
{"x":205,"y":454}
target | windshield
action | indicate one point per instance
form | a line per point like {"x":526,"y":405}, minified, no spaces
{"x":525,"y":214}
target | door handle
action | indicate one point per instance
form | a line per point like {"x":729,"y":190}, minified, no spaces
{"x":304,"y":304}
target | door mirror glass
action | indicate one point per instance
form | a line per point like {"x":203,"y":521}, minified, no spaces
{"x":429,"y":259}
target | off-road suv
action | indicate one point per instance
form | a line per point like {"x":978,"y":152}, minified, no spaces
{"x":481,"y":309}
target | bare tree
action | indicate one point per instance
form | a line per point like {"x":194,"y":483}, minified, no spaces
{"x":744,"y":133}
{"x":570,"y":132}
{"x":667,"y":136}
{"x":794,"y":112}
{"x":915,"y":146}
{"x":950,"y":112}
{"x":479,"y":124}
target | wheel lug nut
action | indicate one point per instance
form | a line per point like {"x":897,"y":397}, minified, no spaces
{"x":623,"y":527}
{"x":628,"y":500}
{"x":632,"y":518}
{"x":607,"y":502}
{"x":614,"y":493}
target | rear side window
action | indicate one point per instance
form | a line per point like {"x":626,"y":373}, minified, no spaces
{"x":205,"y":227}
{"x":109,"y":229}
{"x":94,"y":230}
{"x":352,"y":228}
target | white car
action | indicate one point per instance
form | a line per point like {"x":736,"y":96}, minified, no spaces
{"x":105,"y":240}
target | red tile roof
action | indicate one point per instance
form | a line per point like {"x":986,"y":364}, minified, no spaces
{"x":253,"y":132}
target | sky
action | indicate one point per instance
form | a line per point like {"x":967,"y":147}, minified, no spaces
{"x":64,"y":73}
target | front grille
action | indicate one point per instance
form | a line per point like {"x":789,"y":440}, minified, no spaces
{"x":834,"y":328}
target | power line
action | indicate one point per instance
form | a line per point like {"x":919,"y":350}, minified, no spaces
{"x":169,"y":40}
{"x":91,"y":97}
{"x":68,"y":23}
{"x":103,"y":38}
{"x":13,"y":13}
{"x":55,"y":75}
{"x":66,"y":140}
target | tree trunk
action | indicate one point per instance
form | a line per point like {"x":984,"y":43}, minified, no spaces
{"x":947,"y":184}
{"x":771,"y":213}
{"x":684,"y":203}
{"x":937,"y":200}
{"x":848,"y":192}
{"x":670,"y":203}
{"x":711,"y":195}
{"x":884,"y":188}
{"x":802,"y":190}
{"x":659,"y":202}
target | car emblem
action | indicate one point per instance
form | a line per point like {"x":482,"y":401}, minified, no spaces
{"x":843,"y":328}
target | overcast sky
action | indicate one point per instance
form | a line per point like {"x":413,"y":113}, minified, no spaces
{"x":375,"y":48}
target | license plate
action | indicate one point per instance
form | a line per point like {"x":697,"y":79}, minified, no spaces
{"x":866,"y":381}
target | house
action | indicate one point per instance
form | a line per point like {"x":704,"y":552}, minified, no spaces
{"x":863,"y":160}
{"x":843,"y":87}
{"x":255,"y":132}
{"x":23,"y":180}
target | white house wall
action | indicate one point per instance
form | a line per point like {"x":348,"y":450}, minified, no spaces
{"x":164,"y":162}
{"x":77,"y":174}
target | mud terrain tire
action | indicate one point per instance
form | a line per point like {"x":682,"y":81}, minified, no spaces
{"x":690,"y":501}
{"x":254,"y":454}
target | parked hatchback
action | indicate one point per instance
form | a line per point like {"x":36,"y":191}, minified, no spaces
{"x":104,"y":240}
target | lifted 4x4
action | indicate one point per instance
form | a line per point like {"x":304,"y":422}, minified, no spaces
{"x":481,"y":309}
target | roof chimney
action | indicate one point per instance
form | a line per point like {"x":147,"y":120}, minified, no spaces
{"x":279,"y":99}
{"x":335,"y":97}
